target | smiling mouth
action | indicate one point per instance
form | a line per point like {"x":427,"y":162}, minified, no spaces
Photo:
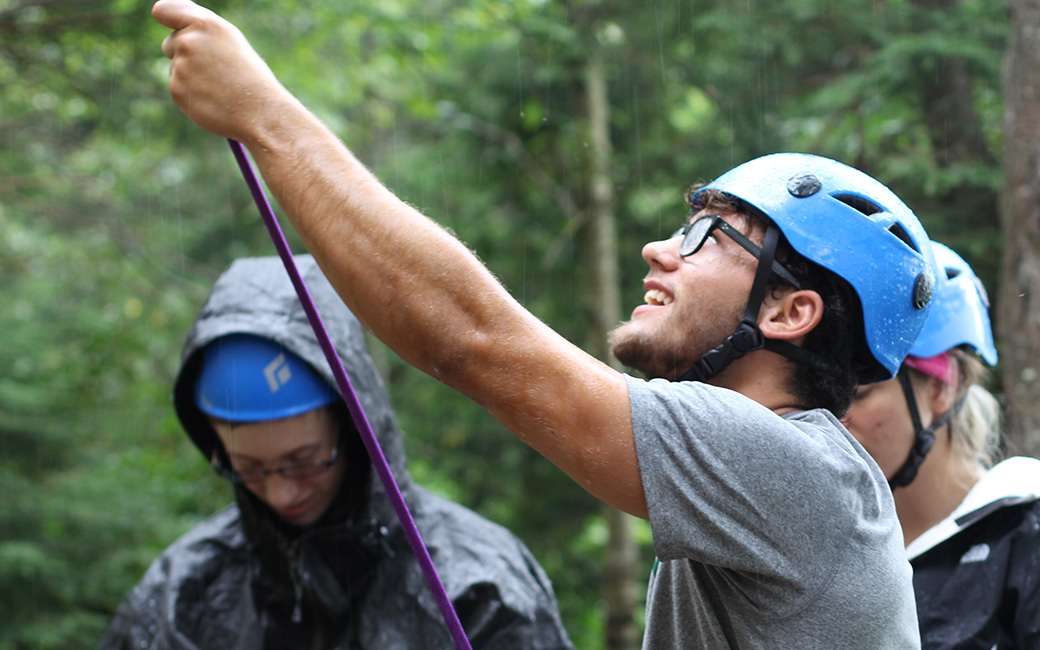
{"x":657,"y":298}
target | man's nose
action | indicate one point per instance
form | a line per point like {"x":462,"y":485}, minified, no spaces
{"x":663,"y":253}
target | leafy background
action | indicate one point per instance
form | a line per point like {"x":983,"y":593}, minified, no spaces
{"x":116,"y":215}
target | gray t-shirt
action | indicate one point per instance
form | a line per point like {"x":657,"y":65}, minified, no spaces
{"x":772,"y":532}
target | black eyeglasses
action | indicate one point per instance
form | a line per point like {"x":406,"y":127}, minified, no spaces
{"x":696,"y":232}
{"x":301,"y":470}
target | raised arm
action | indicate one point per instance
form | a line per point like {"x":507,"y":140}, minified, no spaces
{"x":417,"y":288}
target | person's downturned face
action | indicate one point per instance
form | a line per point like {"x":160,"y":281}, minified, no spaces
{"x":692,"y":303}
{"x":303,"y":438}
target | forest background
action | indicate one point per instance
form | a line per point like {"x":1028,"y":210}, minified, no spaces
{"x":518,"y":124}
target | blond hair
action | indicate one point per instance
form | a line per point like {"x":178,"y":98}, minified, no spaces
{"x":975,"y":427}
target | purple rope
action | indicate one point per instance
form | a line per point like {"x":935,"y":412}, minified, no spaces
{"x":351,"y":399}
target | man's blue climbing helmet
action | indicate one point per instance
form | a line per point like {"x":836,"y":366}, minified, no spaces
{"x":960,"y":315}
{"x":854,"y":226}
{"x":247,"y":378}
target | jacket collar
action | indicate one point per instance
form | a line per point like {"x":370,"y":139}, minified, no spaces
{"x":1011,"y":482}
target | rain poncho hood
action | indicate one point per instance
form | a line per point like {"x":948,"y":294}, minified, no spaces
{"x":245,"y":580}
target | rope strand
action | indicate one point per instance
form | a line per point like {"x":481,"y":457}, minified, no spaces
{"x":375,"y":452}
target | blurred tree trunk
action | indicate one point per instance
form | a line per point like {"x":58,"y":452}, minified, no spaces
{"x":946,"y":86}
{"x":604,"y":308}
{"x":1019,"y":297}
{"x":947,"y":90}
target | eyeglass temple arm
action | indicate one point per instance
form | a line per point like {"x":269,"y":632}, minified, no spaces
{"x":755,"y":250}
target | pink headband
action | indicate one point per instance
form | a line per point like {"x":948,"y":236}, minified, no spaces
{"x":940,"y":366}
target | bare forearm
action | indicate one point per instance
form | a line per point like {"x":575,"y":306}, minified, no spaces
{"x":413,"y":284}
{"x":429,"y":298}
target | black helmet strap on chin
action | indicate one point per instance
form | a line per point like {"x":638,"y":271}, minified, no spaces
{"x":924,"y":437}
{"x":748,"y":336}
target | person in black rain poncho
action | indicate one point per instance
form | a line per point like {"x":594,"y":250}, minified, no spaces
{"x":311,"y":554}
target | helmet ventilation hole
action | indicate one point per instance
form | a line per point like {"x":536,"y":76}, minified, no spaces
{"x":859,"y":203}
{"x":903,"y":236}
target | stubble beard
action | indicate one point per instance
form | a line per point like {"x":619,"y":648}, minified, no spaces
{"x":652,"y":355}
{"x":634,"y":350}
{"x":664,"y":353}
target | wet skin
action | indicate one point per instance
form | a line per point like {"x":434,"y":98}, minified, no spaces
{"x":303,"y":438}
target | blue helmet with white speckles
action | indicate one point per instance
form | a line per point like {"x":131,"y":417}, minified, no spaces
{"x":960,"y":314}
{"x":854,"y":226}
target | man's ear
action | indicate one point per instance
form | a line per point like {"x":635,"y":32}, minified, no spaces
{"x":791,"y":316}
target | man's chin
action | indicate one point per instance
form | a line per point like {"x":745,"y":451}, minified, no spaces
{"x":624,"y":344}
{"x":635,"y":350}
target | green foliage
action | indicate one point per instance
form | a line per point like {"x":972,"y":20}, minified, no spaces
{"x":116,"y":214}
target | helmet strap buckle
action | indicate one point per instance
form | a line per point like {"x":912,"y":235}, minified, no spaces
{"x":924,"y":438}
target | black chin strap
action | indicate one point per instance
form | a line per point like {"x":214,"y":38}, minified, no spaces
{"x":748,"y":337}
{"x":924,"y":437}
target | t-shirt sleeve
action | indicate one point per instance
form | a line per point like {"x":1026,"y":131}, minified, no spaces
{"x":731,"y":484}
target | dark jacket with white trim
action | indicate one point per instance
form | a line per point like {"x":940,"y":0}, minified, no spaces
{"x":977,"y":572}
